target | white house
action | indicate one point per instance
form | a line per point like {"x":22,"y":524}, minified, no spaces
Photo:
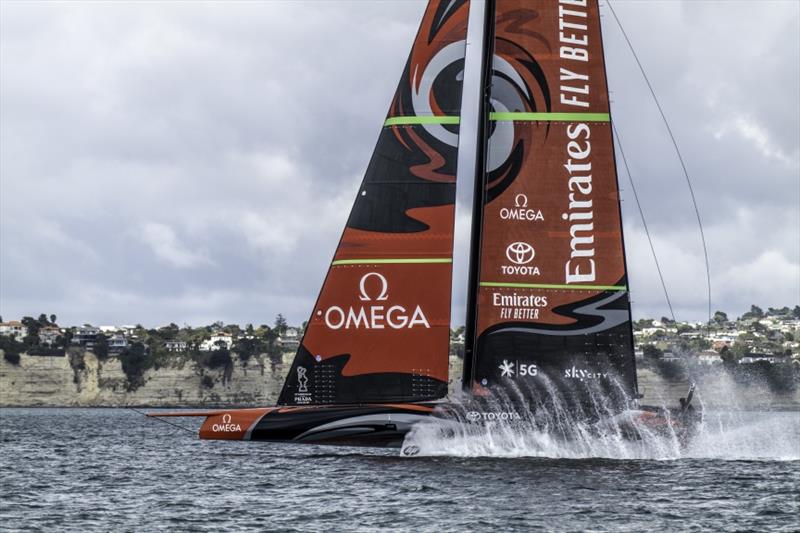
{"x":13,"y":328}
{"x":175,"y":346}
{"x":290,"y":339}
{"x":48,"y":335}
{"x":217,"y":341}
{"x":86,"y":336}
{"x":709,"y":357}
{"x":754,"y":358}
{"x":117,"y":343}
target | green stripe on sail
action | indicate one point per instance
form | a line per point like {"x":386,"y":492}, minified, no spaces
{"x":549,"y":286}
{"x":422,"y":119}
{"x":397,"y":261}
{"x":551,"y":117}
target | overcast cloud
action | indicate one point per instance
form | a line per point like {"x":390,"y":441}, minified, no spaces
{"x":193,"y":162}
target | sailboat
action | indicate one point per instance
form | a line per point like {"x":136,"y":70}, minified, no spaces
{"x":548,"y":311}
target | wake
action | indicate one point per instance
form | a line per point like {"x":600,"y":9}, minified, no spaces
{"x":546,"y":428}
{"x":721,"y":435}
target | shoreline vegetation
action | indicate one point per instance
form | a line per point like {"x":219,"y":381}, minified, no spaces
{"x":220,"y":364}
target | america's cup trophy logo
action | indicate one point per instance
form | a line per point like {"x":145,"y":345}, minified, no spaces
{"x":302,"y":379}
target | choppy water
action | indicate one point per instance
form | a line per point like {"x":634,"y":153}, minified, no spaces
{"x":114,"y":470}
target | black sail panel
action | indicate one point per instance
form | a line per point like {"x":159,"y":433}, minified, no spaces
{"x":379,"y":331}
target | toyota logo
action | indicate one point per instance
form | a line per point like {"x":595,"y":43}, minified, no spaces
{"x":473,"y":416}
{"x":520,"y":253}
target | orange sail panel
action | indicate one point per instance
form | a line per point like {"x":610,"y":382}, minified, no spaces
{"x":552,"y":302}
{"x":380,"y":328}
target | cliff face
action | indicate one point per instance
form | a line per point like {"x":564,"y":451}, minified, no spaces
{"x":54,"y":381}
{"x":87,"y":382}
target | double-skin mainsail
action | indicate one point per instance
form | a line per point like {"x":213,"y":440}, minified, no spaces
{"x":551,"y":308}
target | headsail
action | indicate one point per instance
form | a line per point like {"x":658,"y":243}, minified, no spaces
{"x":379,"y":331}
{"x":551,"y":288}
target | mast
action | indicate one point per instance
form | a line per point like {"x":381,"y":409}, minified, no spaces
{"x":470,"y":337}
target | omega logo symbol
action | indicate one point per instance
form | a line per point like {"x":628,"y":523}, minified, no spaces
{"x":520,"y":200}
{"x":383,"y":295}
{"x":226,"y":418}
{"x":520,"y":253}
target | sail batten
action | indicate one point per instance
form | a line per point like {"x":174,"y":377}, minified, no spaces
{"x":550,"y":117}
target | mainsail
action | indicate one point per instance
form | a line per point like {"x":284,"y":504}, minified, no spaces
{"x":379,"y":331}
{"x":550,"y":283}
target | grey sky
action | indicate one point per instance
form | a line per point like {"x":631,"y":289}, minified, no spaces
{"x":193,"y":162}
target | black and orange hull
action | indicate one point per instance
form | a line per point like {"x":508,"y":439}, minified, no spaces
{"x":386,"y":425}
{"x":377,"y":425}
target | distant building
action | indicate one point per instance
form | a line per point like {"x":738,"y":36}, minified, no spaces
{"x":709,"y":357}
{"x":670,"y":357}
{"x":85,"y":337}
{"x":175,"y":346}
{"x":290,"y":340}
{"x":217,"y":341}
{"x":14,"y":328}
{"x":48,"y":335}
{"x":117,"y":343}
{"x":719,"y":345}
{"x":757,"y":357}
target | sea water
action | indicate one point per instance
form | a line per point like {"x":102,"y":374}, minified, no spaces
{"x":115,"y":470}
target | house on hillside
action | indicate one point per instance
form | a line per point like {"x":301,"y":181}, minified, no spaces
{"x":85,"y":337}
{"x":290,"y":340}
{"x":48,"y":335}
{"x":709,"y":357}
{"x":217,"y":341}
{"x":14,"y":328}
{"x":757,"y":357}
{"x":176,"y":346}
{"x":117,"y":343}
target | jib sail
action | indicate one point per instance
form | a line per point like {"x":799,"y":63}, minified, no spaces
{"x":379,"y":331}
{"x":551,"y":290}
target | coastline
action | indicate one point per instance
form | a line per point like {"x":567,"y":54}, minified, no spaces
{"x":57,"y":382}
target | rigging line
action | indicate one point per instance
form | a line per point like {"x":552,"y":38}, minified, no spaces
{"x":135,"y":410}
{"x":644,"y":221}
{"x":677,"y":151}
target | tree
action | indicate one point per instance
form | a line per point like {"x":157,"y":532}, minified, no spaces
{"x":100,"y":348}
{"x":754,"y":312}
{"x":219,"y":358}
{"x":11,"y":349}
{"x":53,"y":319}
{"x":720,"y":317}
{"x":650,"y":351}
{"x":135,"y":361}
{"x":246,"y":348}
{"x":796,"y":311}
{"x":31,"y":324}
{"x":280,"y":324}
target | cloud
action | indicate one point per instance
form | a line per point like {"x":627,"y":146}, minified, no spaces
{"x":165,"y":245}
{"x":193,"y":162}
